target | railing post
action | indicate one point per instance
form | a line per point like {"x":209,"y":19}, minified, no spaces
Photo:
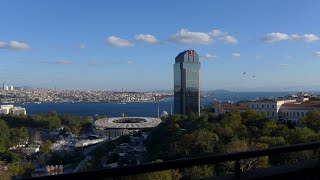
{"x":237,"y":170}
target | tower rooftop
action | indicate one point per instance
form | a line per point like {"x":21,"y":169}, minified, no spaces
{"x":188,"y":56}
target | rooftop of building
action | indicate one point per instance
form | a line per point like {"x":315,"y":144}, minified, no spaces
{"x":188,"y":56}
{"x":265,"y":100}
{"x":302,"y":105}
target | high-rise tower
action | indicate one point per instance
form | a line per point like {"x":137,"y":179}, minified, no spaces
{"x":187,"y":83}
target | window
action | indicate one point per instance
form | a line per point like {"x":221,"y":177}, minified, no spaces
{"x":298,"y":114}
{"x":268,"y":106}
{"x":262,"y":106}
{"x":268,"y":113}
{"x":257,"y":105}
{"x":273,"y":113}
{"x":272,"y":106}
{"x":302,"y":114}
{"x":252,"y":106}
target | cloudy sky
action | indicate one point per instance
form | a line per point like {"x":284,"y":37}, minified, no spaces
{"x":110,"y":45}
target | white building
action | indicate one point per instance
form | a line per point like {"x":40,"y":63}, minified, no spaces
{"x":6,"y":88}
{"x":18,"y":110}
{"x":11,"y":88}
{"x":31,"y":149}
{"x":6,"y":109}
{"x":270,"y":106}
{"x":295,"y":111}
{"x":285,"y":110}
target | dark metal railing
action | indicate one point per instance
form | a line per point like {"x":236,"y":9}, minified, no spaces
{"x":186,"y":162}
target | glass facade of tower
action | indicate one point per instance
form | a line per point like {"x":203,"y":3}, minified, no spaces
{"x":187,"y":83}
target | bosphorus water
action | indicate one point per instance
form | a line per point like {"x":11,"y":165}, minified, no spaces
{"x":137,"y":108}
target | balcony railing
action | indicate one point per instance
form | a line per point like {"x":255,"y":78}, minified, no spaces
{"x":185,"y":163}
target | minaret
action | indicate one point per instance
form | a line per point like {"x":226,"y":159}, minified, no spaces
{"x":171,"y":110}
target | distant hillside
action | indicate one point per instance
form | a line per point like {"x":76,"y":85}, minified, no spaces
{"x":218,"y":91}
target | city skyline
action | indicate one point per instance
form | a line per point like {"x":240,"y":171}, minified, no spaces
{"x":252,"y":46}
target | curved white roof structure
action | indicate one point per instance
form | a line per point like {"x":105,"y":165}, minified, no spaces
{"x":127,"y":122}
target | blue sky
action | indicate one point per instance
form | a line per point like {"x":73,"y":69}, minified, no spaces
{"x":109,"y":45}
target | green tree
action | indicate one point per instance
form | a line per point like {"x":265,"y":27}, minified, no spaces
{"x":198,"y":172}
{"x":23,"y":133}
{"x":268,"y":127}
{"x":4,"y":136}
{"x":11,"y":156}
{"x":192,"y":116}
{"x":232,"y":119}
{"x":185,"y":145}
{"x":205,"y":140}
{"x":302,"y":135}
{"x":52,"y":113}
{"x":312,"y":120}
{"x":225,"y":134}
{"x":20,"y":169}
{"x":15,"y":169}
{"x":273,"y":141}
{"x":247,"y":164}
{"x":53,"y":122}
{"x":46,"y":147}
{"x":253,"y":118}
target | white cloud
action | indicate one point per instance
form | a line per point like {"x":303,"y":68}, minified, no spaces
{"x":223,"y":36}
{"x":276,"y":36}
{"x":118,"y":42}
{"x":217,"y":33}
{"x":317,"y":54}
{"x":83,"y":46}
{"x":305,"y":37}
{"x":284,"y":64}
{"x":14,"y":45}
{"x":236,"y":55}
{"x":3,"y":44}
{"x":184,"y":36}
{"x":228,"y":39}
{"x":146,"y":38}
{"x":208,"y":56}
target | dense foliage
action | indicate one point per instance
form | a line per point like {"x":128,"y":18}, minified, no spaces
{"x":17,"y":129}
{"x":51,"y":120}
{"x":184,"y":136}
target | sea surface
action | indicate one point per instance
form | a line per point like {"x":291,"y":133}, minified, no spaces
{"x":149,"y":109}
